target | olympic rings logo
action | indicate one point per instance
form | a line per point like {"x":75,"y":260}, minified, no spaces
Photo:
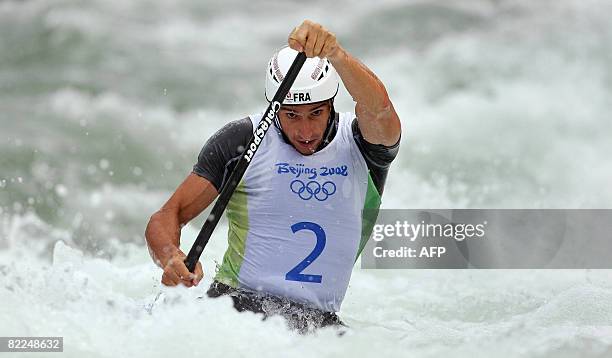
{"x":313,"y":189}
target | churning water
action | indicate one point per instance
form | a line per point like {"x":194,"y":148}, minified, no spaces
{"x":104,"y":106}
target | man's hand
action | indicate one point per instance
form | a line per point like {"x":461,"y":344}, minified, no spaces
{"x":378,"y":121}
{"x":163,"y":231}
{"x":314,"y":40}
{"x":176,"y":272}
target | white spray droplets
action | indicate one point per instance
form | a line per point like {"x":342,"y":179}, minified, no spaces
{"x":137,"y":171}
{"x":61,"y":190}
{"x":104,"y":164}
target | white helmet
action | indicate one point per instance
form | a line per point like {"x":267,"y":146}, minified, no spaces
{"x":316,"y":82}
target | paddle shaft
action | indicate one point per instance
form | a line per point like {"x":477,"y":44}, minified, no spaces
{"x":228,"y":189}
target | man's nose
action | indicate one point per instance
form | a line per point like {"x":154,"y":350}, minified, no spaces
{"x":306,"y":130}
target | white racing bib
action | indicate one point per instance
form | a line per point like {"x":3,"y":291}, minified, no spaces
{"x":295,"y":221}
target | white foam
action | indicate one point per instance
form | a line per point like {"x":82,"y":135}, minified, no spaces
{"x":506,"y":104}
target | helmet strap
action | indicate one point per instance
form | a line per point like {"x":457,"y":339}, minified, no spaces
{"x":332,"y":126}
{"x":278,"y":126}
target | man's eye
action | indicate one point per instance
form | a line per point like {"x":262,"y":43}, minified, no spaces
{"x":291,"y":115}
{"x":317,"y":112}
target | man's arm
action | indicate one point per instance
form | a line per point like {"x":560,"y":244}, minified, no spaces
{"x":215,"y":161}
{"x":378,"y":121}
{"x":163,"y":232}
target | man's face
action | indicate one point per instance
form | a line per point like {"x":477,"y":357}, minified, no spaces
{"x":305,"y":125}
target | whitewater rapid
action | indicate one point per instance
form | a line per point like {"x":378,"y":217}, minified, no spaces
{"x":104,"y":106}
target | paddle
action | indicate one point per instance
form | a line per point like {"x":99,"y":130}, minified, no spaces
{"x":242,"y":165}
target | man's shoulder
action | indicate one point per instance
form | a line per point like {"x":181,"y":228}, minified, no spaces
{"x":378,"y":157}
{"x":351,"y":119}
{"x":241,"y":125}
{"x":221,"y":149}
{"x":235,"y":131}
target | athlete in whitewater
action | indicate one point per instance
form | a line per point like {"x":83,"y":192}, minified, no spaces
{"x":295,"y":220}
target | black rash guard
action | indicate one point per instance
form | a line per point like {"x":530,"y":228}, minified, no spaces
{"x":222,"y":151}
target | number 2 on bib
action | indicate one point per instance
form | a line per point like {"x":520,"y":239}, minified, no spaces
{"x":296,"y":273}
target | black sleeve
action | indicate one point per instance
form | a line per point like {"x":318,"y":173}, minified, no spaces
{"x":221,"y":152}
{"x":377,"y":156}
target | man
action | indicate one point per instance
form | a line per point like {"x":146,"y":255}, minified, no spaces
{"x":295,"y":220}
